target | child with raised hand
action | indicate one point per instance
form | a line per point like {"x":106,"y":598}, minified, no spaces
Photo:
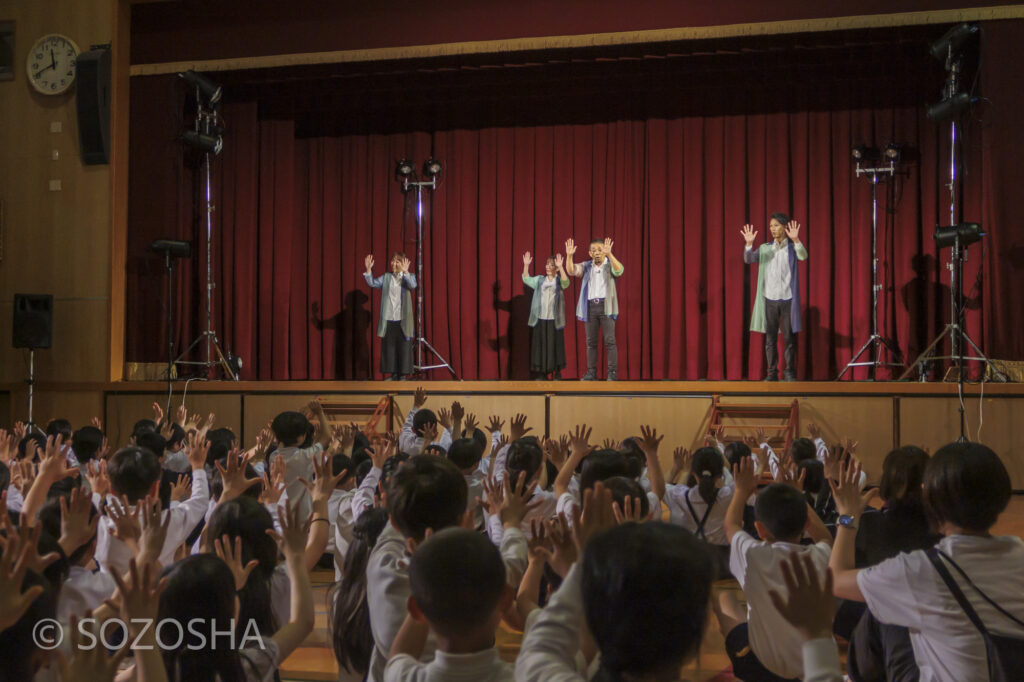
{"x":966,"y":488}
{"x":419,"y":421}
{"x":547,"y":317}
{"x":291,"y":429}
{"x":425,"y":493}
{"x":628,"y":577}
{"x":760,"y":643}
{"x":459,"y":593}
{"x":700,"y":503}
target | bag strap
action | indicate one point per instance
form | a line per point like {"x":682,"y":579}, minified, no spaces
{"x":933,"y":555}
{"x":700,"y":523}
{"x":984,"y":596}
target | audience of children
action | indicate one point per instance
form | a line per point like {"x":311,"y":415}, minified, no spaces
{"x":436,"y":539}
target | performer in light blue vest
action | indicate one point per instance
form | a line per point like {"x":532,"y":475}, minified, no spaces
{"x":547,"y":317}
{"x":777,"y":303}
{"x":396,"y":326}
{"x":598,"y":305}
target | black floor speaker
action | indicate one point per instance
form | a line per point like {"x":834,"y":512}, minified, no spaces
{"x":92,"y":97}
{"x":33,"y":320}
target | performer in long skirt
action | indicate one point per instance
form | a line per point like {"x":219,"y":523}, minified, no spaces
{"x":547,"y":317}
{"x":396,"y":326}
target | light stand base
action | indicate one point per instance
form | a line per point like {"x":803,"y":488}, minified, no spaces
{"x":221,"y":361}
{"x":926,"y":356}
{"x":873,"y":341}
{"x":444,"y":364}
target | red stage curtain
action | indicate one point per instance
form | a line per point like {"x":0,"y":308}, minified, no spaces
{"x":296,"y":213}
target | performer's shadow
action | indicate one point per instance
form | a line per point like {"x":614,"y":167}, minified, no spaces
{"x":351,"y":340}
{"x":926,"y":300}
{"x":515,"y":343}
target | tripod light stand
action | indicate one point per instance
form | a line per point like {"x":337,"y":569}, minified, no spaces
{"x":876,"y":343}
{"x":406,"y":174}
{"x":206,"y":137}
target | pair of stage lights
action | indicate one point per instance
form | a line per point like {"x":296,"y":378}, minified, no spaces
{"x":891,"y":153}
{"x":208,"y":139}
{"x":405,"y":170}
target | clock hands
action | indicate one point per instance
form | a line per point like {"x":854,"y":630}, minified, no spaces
{"x":36,"y":74}
{"x":53,"y":61}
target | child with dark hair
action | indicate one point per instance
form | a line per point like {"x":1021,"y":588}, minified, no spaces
{"x":459,"y":593}
{"x":598,"y":305}
{"x":547,"y":317}
{"x":291,"y":430}
{"x":777,"y":302}
{"x":968,"y":576}
{"x":86,"y":443}
{"x":699,"y":504}
{"x":395,"y":327}
{"x":135,"y":474}
{"x":628,"y":577}
{"x":465,"y":454}
{"x":419,"y":420}
{"x":21,"y":656}
{"x":760,"y":642}
{"x":522,"y":464}
{"x":349,"y":612}
{"x":426,"y":493}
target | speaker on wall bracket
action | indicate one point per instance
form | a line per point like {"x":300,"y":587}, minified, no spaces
{"x":92,"y":98}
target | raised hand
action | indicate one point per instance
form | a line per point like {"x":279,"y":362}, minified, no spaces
{"x":681,"y":459}
{"x":809,"y":605}
{"x":232,"y":556}
{"x":96,"y":474}
{"x":457,"y":411}
{"x":158,"y":413}
{"x":749,"y":234}
{"x":559,"y":260}
{"x":180,"y":488}
{"x":88,"y":663}
{"x":140,"y":596}
{"x":494,"y":493}
{"x":580,"y":440}
{"x":13,"y":565}
{"x":761,"y":435}
{"x":419,"y":398}
{"x":444,"y":417}
{"x":233,"y":476}
{"x":570,"y":248}
{"x":196,"y":450}
{"x":273,"y":487}
{"x":609,"y":444}
{"x":793,"y":231}
{"x":814,"y":430}
{"x":470,"y":424}
{"x":54,"y":466}
{"x":127,"y":528}
{"x":527,"y":259}
{"x":608,"y":246}
{"x":368,"y":261}
{"x":791,"y":475}
{"x":383,"y":450}
{"x":595,"y":517}
{"x":630,"y":511}
{"x":323,"y":482}
{"x":181,"y":416}
{"x":564,"y":551}
{"x":403,"y":263}
{"x":76,"y":528}
{"x":743,"y":476}
{"x":154,"y":525}
{"x":518,"y":427}
{"x":516,"y":500}
{"x":495,"y":423}
{"x":650,"y":441}
{"x":292,"y":538}
{"x":846,"y":493}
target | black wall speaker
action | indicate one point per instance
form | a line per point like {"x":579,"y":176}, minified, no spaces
{"x":33,"y":320}
{"x":92,"y":96}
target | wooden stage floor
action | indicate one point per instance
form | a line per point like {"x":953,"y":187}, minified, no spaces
{"x":315,"y":660}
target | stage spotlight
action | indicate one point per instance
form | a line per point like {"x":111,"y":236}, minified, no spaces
{"x":431,"y":168}
{"x":210,"y":91}
{"x":862,"y":152}
{"x":235,"y":365}
{"x":969,"y":233}
{"x":951,"y":107}
{"x":208,"y":144}
{"x":893,"y":151}
{"x":952,"y":40}
{"x":405,"y":169}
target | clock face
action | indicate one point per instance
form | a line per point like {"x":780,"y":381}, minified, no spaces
{"x":51,"y":64}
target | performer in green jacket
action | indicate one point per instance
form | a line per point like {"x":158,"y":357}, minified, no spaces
{"x":396,"y":326}
{"x":777,"y":303}
{"x":547,"y":317}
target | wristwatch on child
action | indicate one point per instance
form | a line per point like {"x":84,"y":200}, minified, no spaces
{"x":847,"y":521}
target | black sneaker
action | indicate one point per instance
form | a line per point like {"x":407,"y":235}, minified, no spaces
{"x":589,"y":376}
{"x":789,"y":377}
{"x":613,"y":376}
{"x":772,"y":377}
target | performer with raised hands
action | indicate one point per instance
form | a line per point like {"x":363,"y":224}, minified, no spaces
{"x":547,"y":316}
{"x":598,"y":305}
{"x":777,"y":303}
{"x":396,"y":326}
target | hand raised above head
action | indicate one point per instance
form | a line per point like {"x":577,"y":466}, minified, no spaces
{"x":793,"y":231}
{"x":368,"y":261}
{"x":570,"y":247}
{"x":527,"y":259}
{"x":749,"y":234}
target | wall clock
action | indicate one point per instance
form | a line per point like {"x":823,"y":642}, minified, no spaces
{"x":51,"y":64}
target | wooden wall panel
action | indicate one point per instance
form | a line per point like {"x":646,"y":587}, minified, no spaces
{"x":123,"y":410}
{"x":934,"y":422}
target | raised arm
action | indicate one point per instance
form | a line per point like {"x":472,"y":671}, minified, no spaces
{"x":793,"y":233}
{"x":408,"y":278}
{"x":571,"y":268}
{"x":373,"y":282}
{"x":617,"y":267}
{"x":749,"y":252}
{"x":563,"y":278}
{"x":746,"y":484}
{"x":527,"y":279}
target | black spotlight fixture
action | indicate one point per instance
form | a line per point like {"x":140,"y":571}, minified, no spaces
{"x":404,"y":168}
{"x":431,"y":168}
{"x":209,"y":90}
{"x":951,"y":107}
{"x":207,"y":144}
{"x":863,"y":152}
{"x":952,"y":41}
{"x":893,"y":152}
{"x":968,"y":233}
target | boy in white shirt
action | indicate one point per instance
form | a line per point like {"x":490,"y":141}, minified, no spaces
{"x":459,"y":593}
{"x":291,"y":430}
{"x":410,"y":439}
{"x":425,"y":493}
{"x":761,"y":644}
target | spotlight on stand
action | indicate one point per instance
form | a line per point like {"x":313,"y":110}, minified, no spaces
{"x":968,"y":233}
{"x":209,"y":90}
{"x":207,"y":144}
{"x":431,"y":168}
{"x":950,"y":107}
{"x":863,"y":153}
{"x":404,"y":169}
{"x":893,"y":152}
{"x":952,"y":40}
